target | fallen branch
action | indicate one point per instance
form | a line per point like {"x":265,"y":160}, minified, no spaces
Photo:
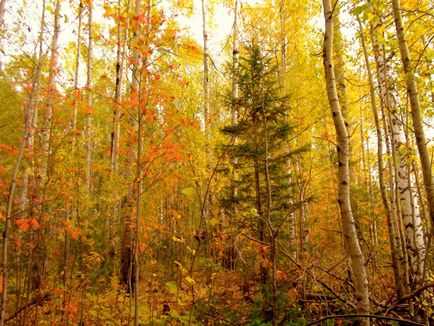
{"x":415,"y":293}
{"x":37,"y":300}
{"x":406,"y":321}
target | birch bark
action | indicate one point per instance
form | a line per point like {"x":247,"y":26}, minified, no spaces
{"x":384,"y":195}
{"x":354,"y":251}
{"x":416,"y":113}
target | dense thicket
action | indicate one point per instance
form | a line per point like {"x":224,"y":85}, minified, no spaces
{"x":276,"y":175}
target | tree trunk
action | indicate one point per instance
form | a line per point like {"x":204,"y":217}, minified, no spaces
{"x":89,"y":131}
{"x":11,"y":193}
{"x":2,"y":13}
{"x":76,"y":75}
{"x":281,"y":74}
{"x":235,"y":109}
{"x":416,"y":113}
{"x":114,"y":150}
{"x":206,"y":120}
{"x":407,"y":199}
{"x":384,"y":196}
{"x":39,"y":254}
{"x":353,"y":249}
{"x":27,"y":140}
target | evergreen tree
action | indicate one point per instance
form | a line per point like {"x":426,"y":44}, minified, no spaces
{"x":259,"y":154}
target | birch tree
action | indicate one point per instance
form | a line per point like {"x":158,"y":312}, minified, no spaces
{"x":343,"y":147}
{"x":416,"y":112}
{"x":391,"y":219}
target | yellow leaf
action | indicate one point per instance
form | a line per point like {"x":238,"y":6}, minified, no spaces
{"x":190,"y":280}
{"x":178,"y":239}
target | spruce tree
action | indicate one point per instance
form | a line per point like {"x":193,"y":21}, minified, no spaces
{"x":259,"y":155}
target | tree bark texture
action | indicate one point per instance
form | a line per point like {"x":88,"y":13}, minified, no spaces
{"x":354,"y":251}
{"x":416,"y":113}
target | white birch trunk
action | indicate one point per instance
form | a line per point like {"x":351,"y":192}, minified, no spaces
{"x":48,"y":114}
{"x":416,"y":113}
{"x":381,"y":167}
{"x":408,"y":200}
{"x":354,"y":251}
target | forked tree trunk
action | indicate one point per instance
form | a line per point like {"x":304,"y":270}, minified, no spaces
{"x":354,"y":251}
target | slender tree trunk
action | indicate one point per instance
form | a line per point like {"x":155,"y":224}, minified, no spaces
{"x":206,"y":118}
{"x":258,"y":202}
{"x":2,"y":27}
{"x":354,"y":251}
{"x":235,"y":112}
{"x":11,"y":193}
{"x":26,"y":140}
{"x":72,"y":178}
{"x":407,"y":199}
{"x":48,"y":114}
{"x":339,"y":67}
{"x":416,"y":113}
{"x":126,"y":275}
{"x":235,"y":109}
{"x":39,"y":252}
{"x":118,"y":97}
{"x":414,"y":234}
{"x":76,"y":75}
{"x":273,"y":235}
{"x":137,"y":219}
{"x":281,"y":75}
{"x":384,"y":196}
{"x":89,"y":118}
{"x":2,"y":14}
{"x":115,"y":135}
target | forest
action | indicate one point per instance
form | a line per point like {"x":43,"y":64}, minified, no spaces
{"x":216,"y":162}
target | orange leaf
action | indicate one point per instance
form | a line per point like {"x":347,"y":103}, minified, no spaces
{"x":35,"y":224}
{"x":23,"y":225}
